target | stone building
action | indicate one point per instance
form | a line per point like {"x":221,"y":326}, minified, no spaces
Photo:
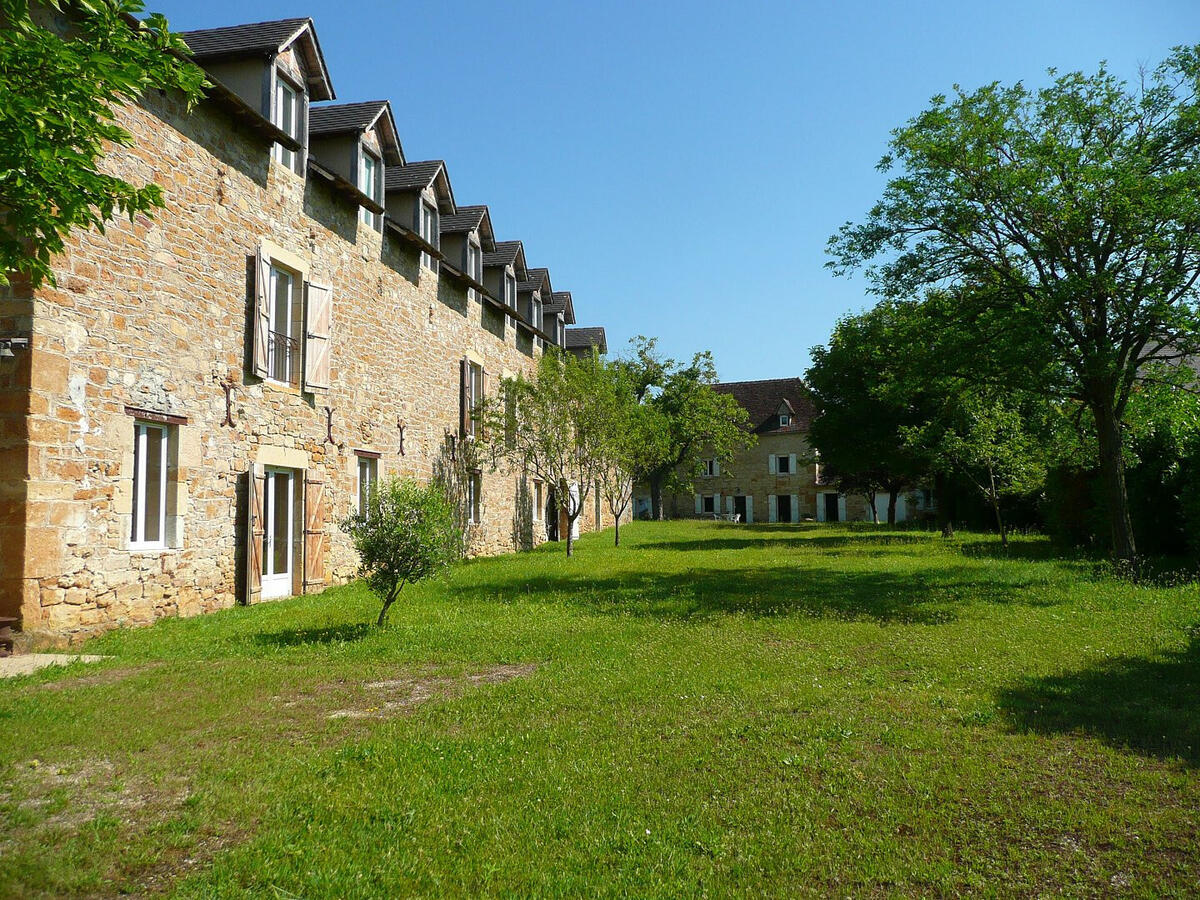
{"x":778,"y":478}
{"x":204,"y":395}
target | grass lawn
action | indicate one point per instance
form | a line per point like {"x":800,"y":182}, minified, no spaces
{"x":709,"y":710}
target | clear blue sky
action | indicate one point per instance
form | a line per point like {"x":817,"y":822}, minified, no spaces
{"x":679,"y":167}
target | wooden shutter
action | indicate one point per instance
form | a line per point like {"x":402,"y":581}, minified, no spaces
{"x":483,"y":388}
{"x":771,"y":468}
{"x":716,"y":467}
{"x":314,"y":530}
{"x":318,"y":316}
{"x":699,"y":504}
{"x":464,"y":398}
{"x":717,"y":503}
{"x":255,"y":530}
{"x":772,"y":509}
{"x":729,"y":504}
{"x":795,"y":507}
{"x":262,"y":315}
{"x":749,"y":509}
{"x":791,"y":463}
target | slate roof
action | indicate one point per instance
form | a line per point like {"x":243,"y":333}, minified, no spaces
{"x":583,"y":338}
{"x":236,"y":40}
{"x":507,"y":253}
{"x":561,"y":302}
{"x":529,"y":285}
{"x":542,"y":276}
{"x":762,"y":400}
{"x":413,"y":176}
{"x":467,"y":219}
{"x":340,"y":117}
{"x":265,"y":39}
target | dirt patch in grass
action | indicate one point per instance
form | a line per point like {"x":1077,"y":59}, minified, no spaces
{"x":380,"y":699}
{"x":105,"y":676}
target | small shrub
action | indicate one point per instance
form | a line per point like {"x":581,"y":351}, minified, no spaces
{"x":408,"y":532}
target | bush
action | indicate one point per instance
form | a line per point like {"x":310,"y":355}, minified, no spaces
{"x":408,"y":532}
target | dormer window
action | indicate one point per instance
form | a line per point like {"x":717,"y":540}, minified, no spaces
{"x":535,"y":312}
{"x":429,"y":231}
{"x":510,"y":291}
{"x":285,"y":114}
{"x":784,"y":420}
{"x":368,"y":183}
{"x":474,"y":264}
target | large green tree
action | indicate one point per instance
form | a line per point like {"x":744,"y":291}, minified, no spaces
{"x":857,"y":431}
{"x":64,"y":68}
{"x":1078,"y":205}
{"x":683,"y":419}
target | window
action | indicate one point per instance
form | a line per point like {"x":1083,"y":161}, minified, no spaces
{"x":708,"y":467}
{"x":539,"y":500}
{"x":510,"y":291}
{"x":474,"y":264}
{"x":783,"y":464}
{"x":474,"y":496}
{"x":784,"y":420}
{"x":149,"y":486}
{"x":286,"y":115}
{"x":368,"y":183}
{"x":368,"y":478}
{"x":429,"y":231}
{"x":708,"y":503}
{"x":283,"y":339}
{"x":535,"y":312}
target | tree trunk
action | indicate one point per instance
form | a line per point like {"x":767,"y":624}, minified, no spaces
{"x":570,"y":536}
{"x":656,"y":503}
{"x":617,"y":530}
{"x":871,"y":495}
{"x":387,"y":604}
{"x":1112,"y":470}
{"x":945,"y":511}
{"x":892,"y":508}
{"x":994,"y":499}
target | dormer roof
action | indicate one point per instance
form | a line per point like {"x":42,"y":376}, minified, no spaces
{"x":586,"y":338}
{"x":542,"y":276}
{"x":765,"y":400}
{"x":417,"y":176}
{"x":561,"y":302}
{"x":466,"y":219}
{"x":349,"y":118}
{"x":508,"y":253}
{"x":266,"y":39}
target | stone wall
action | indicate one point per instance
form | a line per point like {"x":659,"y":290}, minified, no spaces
{"x":749,"y":474}
{"x":155,"y":315}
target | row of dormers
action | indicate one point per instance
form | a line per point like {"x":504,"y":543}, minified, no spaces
{"x":272,"y":74}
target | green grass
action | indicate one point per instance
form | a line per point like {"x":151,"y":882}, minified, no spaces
{"x":709,"y":710}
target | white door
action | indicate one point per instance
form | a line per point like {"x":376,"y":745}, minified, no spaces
{"x":278,"y":503}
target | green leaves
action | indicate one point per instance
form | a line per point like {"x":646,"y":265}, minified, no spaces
{"x":61,"y":77}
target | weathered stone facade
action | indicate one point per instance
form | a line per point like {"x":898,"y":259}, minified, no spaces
{"x":154,"y":318}
{"x":777,"y":479}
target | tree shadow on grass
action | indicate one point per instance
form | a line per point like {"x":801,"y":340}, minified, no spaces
{"x":789,"y":537}
{"x":1149,"y":706}
{"x":701,"y":595}
{"x":296,"y":637}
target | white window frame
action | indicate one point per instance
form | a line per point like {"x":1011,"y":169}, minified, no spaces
{"x":370,"y":170}
{"x":138,"y":525}
{"x":429,"y":231}
{"x":293,"y":326}
{"x":284,"y":88}
{"x":510,"y":290}
{"x":474,"y":263}
{"x":710,"y":467}
{"x":784,"y":420}
{"x":369,"y":465}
